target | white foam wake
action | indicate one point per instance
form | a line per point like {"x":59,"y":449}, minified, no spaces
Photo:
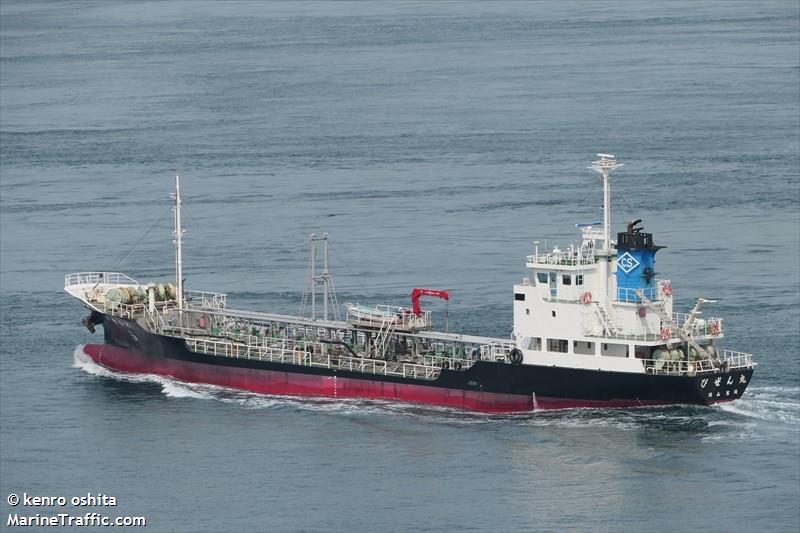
{"x":170,"y":387}
{"x":769,"y":403}
{"x":348,"y":406}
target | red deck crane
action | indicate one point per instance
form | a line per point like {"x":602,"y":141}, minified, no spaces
{"x":416,"y":293}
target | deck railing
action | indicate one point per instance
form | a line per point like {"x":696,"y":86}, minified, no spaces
{"x":496,"y":351}
{"x":711,"y":327}
{"x":93,"y":278}
{"x":728,"y":360}
{"x":308,"y":353}
{"x":205,"y":300}
{"x":614,"y":334}
{"x":402,"y":317}
{"x":737,"y":359}
{"x":628,"y":295}
{"x":563,"y":257}
{"x":707,"y":326}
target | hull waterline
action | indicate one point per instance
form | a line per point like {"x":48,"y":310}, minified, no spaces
{"x":243,"y":374}
{"x":298,"y":384}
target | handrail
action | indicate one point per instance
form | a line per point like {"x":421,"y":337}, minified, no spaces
{"x":727,"y":360}
{"x":613,"y":334}
{"x":92,"y":278}
{"x":383,"y":338}
{"x":378,"y":314}
{"x":208,"y":300}
{"x":629,"y":295}
{"x":562,"y":257}
{"x":496,"y":350}
{"x":737,"y":359}
{"x":605,"y":320}
{"x":709,"y":326}
{"x":308,"y":354}
{"x":132,"y":311}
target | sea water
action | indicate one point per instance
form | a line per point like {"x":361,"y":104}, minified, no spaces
{"x":433,"y":142}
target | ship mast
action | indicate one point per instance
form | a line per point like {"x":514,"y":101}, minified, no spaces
{"x":178,"y":240}
{"x":325,"y":279}
{"x":605,"y":165}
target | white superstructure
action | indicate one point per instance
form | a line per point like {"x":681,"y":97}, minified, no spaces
{"x":572,"y":312}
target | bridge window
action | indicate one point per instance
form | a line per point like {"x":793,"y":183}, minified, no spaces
{"x":566,"y":279}
{"x":642,"y":352}
{"x":542,"y":277}
{"x":583,"y":348}
{"x":532,"y":343}
{"x":557,"y":345}
{"x":614,"y":350}
{"x":579,"y":279}
{"x":519,"y":297}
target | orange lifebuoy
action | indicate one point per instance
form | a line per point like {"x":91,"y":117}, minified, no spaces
{"x":665,"y":334}
{"x":715,"y":329}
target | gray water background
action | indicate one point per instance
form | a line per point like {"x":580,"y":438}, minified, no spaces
{"x":434,"y":142}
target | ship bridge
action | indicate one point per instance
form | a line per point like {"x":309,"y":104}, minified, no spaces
{"x":601,"y":297}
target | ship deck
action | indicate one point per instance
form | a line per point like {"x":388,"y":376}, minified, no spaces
{"x":208,"y":326}
{"x":340,"y":325}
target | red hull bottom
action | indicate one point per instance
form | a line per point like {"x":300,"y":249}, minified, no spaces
{"x":298,"y":384}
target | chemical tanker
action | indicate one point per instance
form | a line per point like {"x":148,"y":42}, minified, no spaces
{"x":593,"y":327}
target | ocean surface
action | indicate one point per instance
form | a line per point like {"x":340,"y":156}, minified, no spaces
{"x":434,"y":142}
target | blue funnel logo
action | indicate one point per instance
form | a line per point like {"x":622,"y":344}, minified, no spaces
{"x":626,"y":262}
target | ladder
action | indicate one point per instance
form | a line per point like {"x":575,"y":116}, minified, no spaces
{"x":604,"y":320}
{"x":384,"y":336}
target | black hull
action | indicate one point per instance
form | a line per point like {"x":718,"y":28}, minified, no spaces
{"x":505,"y":386}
